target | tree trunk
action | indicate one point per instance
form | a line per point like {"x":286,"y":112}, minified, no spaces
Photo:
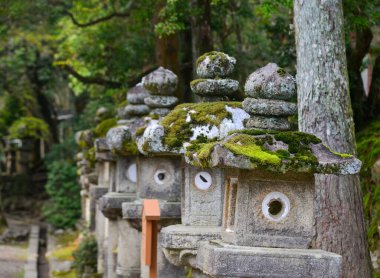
{"x":200,"y":29}
{"x":325,"y":110}
{"x":167,"y":49}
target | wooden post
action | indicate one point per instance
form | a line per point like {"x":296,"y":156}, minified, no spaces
{"x":150,"y":218}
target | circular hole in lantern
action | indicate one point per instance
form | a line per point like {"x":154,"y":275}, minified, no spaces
{"x":132,"y":172}
{"x":160,"y":176}
{"x":203,"y":180}
{"x":275,"y":206}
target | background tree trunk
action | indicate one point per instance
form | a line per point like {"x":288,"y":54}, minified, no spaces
{"x":201,"y":34}
{"x":325,"y":110}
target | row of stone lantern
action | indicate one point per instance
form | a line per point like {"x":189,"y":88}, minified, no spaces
{"x":235,"y":187}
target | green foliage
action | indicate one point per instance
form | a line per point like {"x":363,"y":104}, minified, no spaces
{"x":85,"y":257}
{"x":29,"y":127}
{"x":63,"y":208}
{"x":368,"y":147}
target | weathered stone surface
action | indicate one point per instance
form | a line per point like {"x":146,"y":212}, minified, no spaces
{"x":105,"y":156}
{"x":160,"y":82}
{"x":101,"y":145}
{"x":162,"y":112}
{"x":136,"y":110}
{"x":215,"y":64}
{"x":128,"y":260}
{"x":168,"y":210}
{"x":269,"y":107}
{"x":188,"y":237}
{"x":160,"y":178}
{"x":102,"y":113}
{"x":222,"y":260}
{"x":203,"y":207}
{"x":289,"y":227}
{"x":97,"y":191}
{"x":126,"y":174}
{"x":212,"y":98}
{"x":214,"y":87}
{"x":110,"y":204}
{"x":271,"y":123}
{"x":271,"y":82}
{"x":274,"y":152}
{"x":137,"y":94}
{"x":117,"y":136}
{"x":161,"y":101}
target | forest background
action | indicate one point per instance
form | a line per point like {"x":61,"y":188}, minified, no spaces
{"x":62,"y":60}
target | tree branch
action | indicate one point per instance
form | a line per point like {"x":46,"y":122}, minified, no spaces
{"x":101,"y":19}
{"x":104,"y":82}
{"x":96,"y":21}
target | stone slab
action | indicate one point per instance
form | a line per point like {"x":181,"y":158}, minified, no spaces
{"x":110,"y":204}
{"x":161,"y":101}
{"x":268,"y":107}
{"x":188,"y":237}
{"x":97,"y":191}
{"x":218,"y":259}
{"x":168,"y":210}
{"x":272,"y":123}
{"x":214,"y":87}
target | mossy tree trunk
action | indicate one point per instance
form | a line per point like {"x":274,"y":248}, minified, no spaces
{"x":324,"y":109}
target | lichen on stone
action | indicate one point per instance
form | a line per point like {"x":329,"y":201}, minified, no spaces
{"x":215,"y":64}
{"x":272,"y":151}
{"x":192,"y":120}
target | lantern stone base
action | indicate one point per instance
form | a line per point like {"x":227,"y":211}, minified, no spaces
{"x":218,"y":259}
{"x":180,"y":242}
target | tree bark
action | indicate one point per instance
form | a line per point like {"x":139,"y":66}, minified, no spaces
{"x":167,"y":49}
{"x":200,"y":29}
{"x":324,"y":109}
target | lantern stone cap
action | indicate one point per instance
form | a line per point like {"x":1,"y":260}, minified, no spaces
{"x":110,"y":204}
{"x":101,"y":145}
{"x":215,"y":64}
{"x":273,"y":151}
{"x":85,"y":138}
{"x":189,"y":122}
{"x":137,"y":94}
{"x":168,"y":210}
{"x":160,"y":82}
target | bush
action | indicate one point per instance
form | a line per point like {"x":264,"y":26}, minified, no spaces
{"x":63,"y":209}
{"x":85,"y":257}
{"x":29,"y":127}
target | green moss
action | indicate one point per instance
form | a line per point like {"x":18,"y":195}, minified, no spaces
{"x":140,"y":131}
{"x":29,"y":127}
{"x":89,"y":155}
{"x":129,"y":148}
{"x":177,"y":130}
{"x":255,"y":148}
{"x":103,"y":127}
{"x":196,"y":82}
{"x":122,"y":104}
{"x":213,"y":55}
{"x":368,"y":148}
{"x":281,"y":71}
{"x":342,"y":155}
{"x":154,"y":116}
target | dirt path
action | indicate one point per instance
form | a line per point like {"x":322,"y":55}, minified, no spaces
{"x":12,"y":260}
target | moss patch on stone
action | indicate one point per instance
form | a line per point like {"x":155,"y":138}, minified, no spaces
{"x":140,"y":131}
{"x":89,"y":155}
{"x":103,"y":127}
{"x":129,"y":148}
{"x":255,"y":145}
{"x":178,"y":130}
{"x":213,"y":55}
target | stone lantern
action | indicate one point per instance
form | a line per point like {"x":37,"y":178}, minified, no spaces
{"x":122,"y":145}
{"x":158,"y":176}
{"x":202,"y":187}
{"x":268,"y":210}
